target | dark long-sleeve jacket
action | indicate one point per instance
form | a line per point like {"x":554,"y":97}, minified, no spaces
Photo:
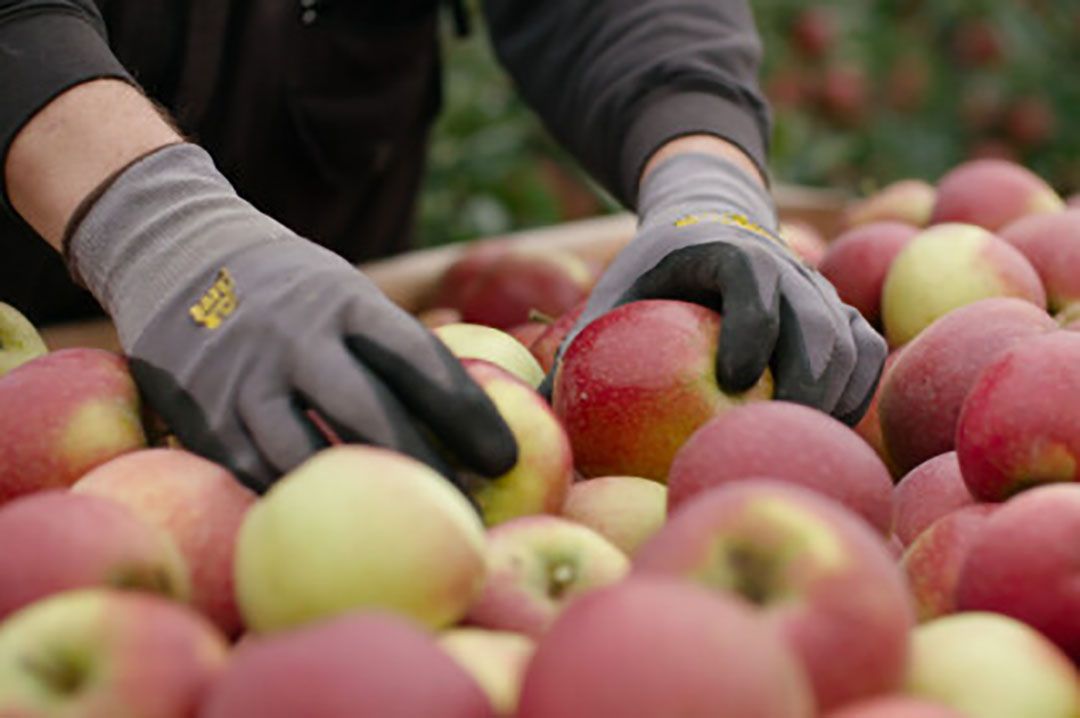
{"x":318,"y":110}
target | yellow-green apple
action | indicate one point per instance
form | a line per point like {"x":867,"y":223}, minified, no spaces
{"x":857,"y":261}
{"x":97,"y":652}
{"x":63,"y":414}
{"x":547,"y":344}
{"x":19,"y":339}
{"x":895,"y":706}
{"x":785,"y":441}
{"x":57,"y":541}
{"x":1051,"y":242}
{"x":522,"y":281}
{"x":536,"y":565}
{"x":476,"y":341}
{"x":804,"y":241}
{"x":923,"y":392}
{"x":626,"y":510}
{"x":819,"y":574}
{"x":637,"y":382}
{"x":949,"y":266}
{"x":991,"y":193}
{"x":926,"y":493}
{"x":986,"y":665}
{"x":198,"y":503}
{"x":935,"y":558}
{"x":909,"y":201}
{"x":358,"y":527}
{"x":539,"y":481}
{"x":361,"y":664}
{"x":1025,"y":563}
{"x":869,"y":427}
{"x":655,"y":647}
{"x":1019,"y":426}
{"x":495,"y":659}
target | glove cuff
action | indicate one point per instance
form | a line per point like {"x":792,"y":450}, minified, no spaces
{"x":692,"y":183}
{"x":164,"y":221}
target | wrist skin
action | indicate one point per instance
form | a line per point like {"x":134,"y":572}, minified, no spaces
{"x":75,"y":143}
{"x":704,"y":144}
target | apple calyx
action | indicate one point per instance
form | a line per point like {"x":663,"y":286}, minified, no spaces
{"x":151,"y":579}
{"x":561,"y":574}
{"x":61,"y":672}
{"x":750,"y":571}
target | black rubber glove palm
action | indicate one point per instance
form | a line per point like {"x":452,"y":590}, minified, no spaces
{"x":708,"y":235}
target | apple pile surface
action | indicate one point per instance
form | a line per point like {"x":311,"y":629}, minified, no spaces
{"x":661,"y":548}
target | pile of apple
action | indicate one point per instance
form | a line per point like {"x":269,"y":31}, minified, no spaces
{"x":661,"y":548}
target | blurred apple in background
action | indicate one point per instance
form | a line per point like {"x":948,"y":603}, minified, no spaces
{"x":785,"y":441}
{"x":816,"y":571}
{"x":198,"y":503}
{"x":476,"y":341}
{"x":19,"y":339}
{"x":357,"y":527}
{"x":924,"y":390}
{"x":530,"y":331}
{"x":947,"y":267}
{"x":626,"y":510}
{"x":1051,"y":242}
{"x":929,"y":491}
{"x":107,"y":653}
{"x":637,"y":382}
{"x":986,"y":665}
{"x":895,"y":707}
{"x":909,"y":201}
{"x":1019,"y":426}
{"x":57,"y":541}
{"x":362,"y":664}
{"x":857,"y":261}
{"x":539,"y":481}
{"x":473,"y":261}
{"x":536,"y":565}
{"x":63,"y":414}
{"x":495,"y":659}
{"x":934,"y":560}
{"x":991,"y":193}
{"x":804,"y":240}
{"x":1025,"y":563}
{"x":657,"y":648}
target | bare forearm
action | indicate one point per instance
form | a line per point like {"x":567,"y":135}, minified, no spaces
{"x":73,"y":144}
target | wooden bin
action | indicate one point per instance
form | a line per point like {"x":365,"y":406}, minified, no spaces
{"x":409,"y":278}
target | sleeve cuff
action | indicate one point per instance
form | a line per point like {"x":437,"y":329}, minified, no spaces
{"x":688,"y":113}
{"x":41,"y":56}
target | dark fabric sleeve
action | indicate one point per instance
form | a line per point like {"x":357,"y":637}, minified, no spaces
{"x":614,"y":80}
{"x":46,"y":47}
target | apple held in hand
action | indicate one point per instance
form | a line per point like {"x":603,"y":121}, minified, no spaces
{"x":19,"y":340}
{"x":626,"y":510}
{"x":63,"y":414}
{"x":356,"y":527}
{"x":536,"y":564}
{"x":817,"y":572}
{"x":107,"y":653}
{"x":637,"y":382}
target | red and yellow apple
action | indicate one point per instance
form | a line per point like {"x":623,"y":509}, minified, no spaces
{"x":858,"y":260}
{"x":991,"y":193}
{"x":19,"y":339}
{"x":909,"y":201}
{"x":626,"y":510}
{"x":1051,"y":242}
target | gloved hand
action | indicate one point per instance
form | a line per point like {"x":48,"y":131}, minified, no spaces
{"x":236,"y":327}
{"x":708,"y":234}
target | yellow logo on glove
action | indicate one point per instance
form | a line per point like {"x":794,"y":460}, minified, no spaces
{"x":217,"y":303}
{"x":731,"y":219}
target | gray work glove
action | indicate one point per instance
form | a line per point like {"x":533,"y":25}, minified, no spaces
{"x":708,"y":234}
{"x":236,"y":328}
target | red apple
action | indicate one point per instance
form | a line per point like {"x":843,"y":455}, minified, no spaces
{"x":784,"y":441}
{"x":545,"y":347}
{"x":843,"y":94}
{"x":1030,"y":121}
{"x":658,"y":648}
{"x":1051,"y":242}
{"x":57,"y":541}
{"x":198,"y":503}
{"x":947,"y":267}
{"x":103,"y":653}
{"x":626,"y":510}
{"x":935,"y":558}
{"x":1019,"y":426}
{"x":869,"y":427}
{"x":63,"y":414}
{"x":922,"y":394}
{"x":992,"y":193}
{"x":928,"y":492}
{"x":1025,"y":563}
{"x":804,"y":240}
{"x":456,"y":279}
{"x":816,"y":571}
{"x":536,"y":565}
{"x":813,"y":31}
{"x":909,"y":201}
{"x":858,"y":260}
{"x":895,"y":706}
{"x":528,"y":332}
{"x":363,"y":664}
{"x":628,"y":406}
{"x":19,"y":339}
